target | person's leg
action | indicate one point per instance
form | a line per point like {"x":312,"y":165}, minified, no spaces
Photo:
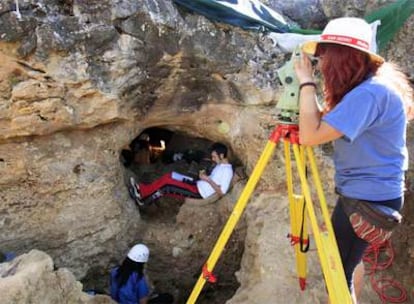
{"x":351,"y":248}
{"x":177,"y":191}
{"x":358,"y":283}
{"x":359,"y":279}
{"x":168,"y":186}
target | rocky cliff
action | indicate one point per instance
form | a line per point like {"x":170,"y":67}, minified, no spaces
{"x":79,"y":80}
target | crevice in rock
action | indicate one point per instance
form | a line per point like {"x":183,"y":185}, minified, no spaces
{"x":29,"y":67}
{"x":181,"y":237}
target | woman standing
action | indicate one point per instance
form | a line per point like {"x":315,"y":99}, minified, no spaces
{"x":367,"y":105}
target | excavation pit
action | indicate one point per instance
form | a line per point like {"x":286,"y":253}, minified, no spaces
{"x":181,"y":235}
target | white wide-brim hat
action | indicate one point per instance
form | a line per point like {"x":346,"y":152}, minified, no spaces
{"x":348,"y":31}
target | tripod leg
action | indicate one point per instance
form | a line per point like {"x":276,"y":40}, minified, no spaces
{"x":298,"y":234}
{"x":235,"y":215}
{"x":325,"y":240}
{"x":319,"y":190}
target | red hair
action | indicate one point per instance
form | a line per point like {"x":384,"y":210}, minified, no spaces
{"x":390,"y":74}
{"x":343,"y":68}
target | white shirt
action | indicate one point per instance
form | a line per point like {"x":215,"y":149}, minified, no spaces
{"x":221,"y":175}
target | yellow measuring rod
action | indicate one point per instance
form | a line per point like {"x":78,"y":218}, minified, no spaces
{"x":299,"y":232}
{"x":325,"y":240}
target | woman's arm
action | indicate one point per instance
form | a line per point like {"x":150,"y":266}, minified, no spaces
{"x":312,"y":130}
{"x":143,"y":300}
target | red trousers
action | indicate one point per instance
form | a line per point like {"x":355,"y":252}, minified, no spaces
{"x":169,"y":187}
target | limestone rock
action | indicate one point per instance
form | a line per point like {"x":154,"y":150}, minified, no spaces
{"x":79,"y":80}
{"x":30,"y":278}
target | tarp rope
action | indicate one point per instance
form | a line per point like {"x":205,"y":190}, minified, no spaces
{"x":377,"y":259}
{"x":19,"y":16}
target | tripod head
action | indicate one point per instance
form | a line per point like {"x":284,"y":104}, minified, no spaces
{"x":289,"y":100}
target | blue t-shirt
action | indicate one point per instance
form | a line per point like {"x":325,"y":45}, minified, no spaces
{"x":371,"y":157}
{"x":132,"y":291}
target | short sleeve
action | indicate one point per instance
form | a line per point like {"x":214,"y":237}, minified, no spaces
{"x":114,"y":285}
{"x":143,"y":289}
{"x":226,"y":185}
{"x":223,"y":178}
{"x":354,"y":114}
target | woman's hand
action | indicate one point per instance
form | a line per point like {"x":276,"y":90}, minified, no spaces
{"x":303,"y":68}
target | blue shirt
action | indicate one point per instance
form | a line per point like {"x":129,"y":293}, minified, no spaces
{"x":132,"y":291}
{"x":371,"y":157}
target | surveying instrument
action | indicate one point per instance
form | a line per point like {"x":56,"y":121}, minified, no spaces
{"x":287,"y":130}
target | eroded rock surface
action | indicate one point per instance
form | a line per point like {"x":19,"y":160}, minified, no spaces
{"x":31,"y":278}
{"x":80,"y":79}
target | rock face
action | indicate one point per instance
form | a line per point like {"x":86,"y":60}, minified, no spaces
{"x":30,"y":278}
{"x":80,"y":79}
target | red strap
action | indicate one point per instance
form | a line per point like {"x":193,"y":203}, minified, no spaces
{"x":209,"y":276}
{"x":287,"y":132}
{"x":296,"y":240}
{"x":346,"y":39}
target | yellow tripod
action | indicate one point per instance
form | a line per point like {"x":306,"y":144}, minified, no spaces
{"x":324,"y":238}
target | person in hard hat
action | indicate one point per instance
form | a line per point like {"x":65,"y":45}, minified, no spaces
{"x":367,"y":105}
{"x":128,"y":283}
{"x":178,"y":185}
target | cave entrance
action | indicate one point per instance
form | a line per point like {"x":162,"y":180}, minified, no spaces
{"x":156,"y":151}
{"x":159,"y":146}
{"x":179,"y":248}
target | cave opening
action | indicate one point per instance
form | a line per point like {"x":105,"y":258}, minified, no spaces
{"x":157,"y":151}
{"x":157,"y":147}
{"x":181,"y":241}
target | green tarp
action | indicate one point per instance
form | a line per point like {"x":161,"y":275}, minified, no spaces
{"x":253,"y":15}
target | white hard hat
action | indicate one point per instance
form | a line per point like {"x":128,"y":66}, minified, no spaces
{"x":139,"y":253}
